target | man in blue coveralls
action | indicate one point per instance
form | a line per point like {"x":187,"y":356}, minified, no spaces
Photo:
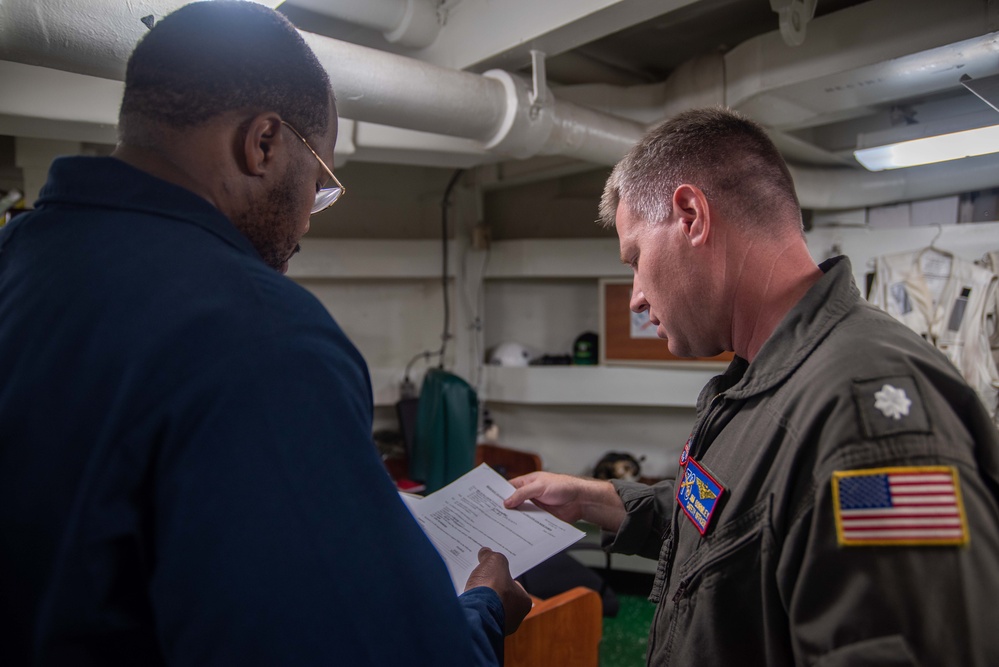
{"x":186,"y":468}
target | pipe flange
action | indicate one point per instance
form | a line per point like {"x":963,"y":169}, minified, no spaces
{"x":527,"y":123}
{"x":794,"y":17}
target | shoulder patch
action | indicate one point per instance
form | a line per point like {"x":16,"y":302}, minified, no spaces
{"x":919,"y":505}
{"x":890,"y":405}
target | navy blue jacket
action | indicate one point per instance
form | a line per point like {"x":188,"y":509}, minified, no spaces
{"x":187,"y":474}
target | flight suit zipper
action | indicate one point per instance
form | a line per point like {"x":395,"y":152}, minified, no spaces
{"x":699,"y":429}
{"x":670,"y":547}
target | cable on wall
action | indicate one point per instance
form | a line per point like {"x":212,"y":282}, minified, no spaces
{"x":426,"y":354}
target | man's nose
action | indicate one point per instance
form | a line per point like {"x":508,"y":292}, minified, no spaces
{"x":638,"y":302}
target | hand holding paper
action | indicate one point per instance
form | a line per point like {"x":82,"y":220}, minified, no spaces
{"x":468,"y":514}
{"x":493,"y":571}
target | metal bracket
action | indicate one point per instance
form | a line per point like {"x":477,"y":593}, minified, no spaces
{"x":794,"y":16}
{"x":538,"y":96}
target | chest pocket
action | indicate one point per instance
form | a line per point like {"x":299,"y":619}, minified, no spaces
{"x":732,"y":571}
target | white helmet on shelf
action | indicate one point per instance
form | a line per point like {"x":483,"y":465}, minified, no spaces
{"x":510,"y":354}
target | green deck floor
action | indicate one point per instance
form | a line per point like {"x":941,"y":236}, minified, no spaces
{"x":626,"y":636}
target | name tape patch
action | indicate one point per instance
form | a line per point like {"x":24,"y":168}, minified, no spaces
{"x":698,"y":495}
{"x":899,"y":506}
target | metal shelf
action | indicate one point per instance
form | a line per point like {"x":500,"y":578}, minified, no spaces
{"x":675,"y":385}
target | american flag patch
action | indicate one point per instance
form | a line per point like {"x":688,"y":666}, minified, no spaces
{"x":899,"y":506}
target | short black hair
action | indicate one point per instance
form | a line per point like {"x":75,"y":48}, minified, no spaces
{"x":208,"y":58}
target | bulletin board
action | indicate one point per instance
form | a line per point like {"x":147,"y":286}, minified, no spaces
{"x":630,"y":338}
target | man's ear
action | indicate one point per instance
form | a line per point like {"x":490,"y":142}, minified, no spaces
{"x":262,"y":141}
{"x":691,"y":210}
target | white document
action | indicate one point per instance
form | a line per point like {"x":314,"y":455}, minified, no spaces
{"x":468,"y":514}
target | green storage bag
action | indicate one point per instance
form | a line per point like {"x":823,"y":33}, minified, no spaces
{"x":446,"y":425}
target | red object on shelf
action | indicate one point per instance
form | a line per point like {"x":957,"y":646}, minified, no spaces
{"x":409,"y":486}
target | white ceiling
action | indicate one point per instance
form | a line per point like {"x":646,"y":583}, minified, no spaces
{"x":409,"y":73}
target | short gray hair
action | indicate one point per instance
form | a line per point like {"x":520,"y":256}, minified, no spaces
{"x":728,"y":156}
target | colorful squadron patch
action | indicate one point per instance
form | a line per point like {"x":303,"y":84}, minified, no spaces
{"x":698,"y":495}
{"x":899,"y":506}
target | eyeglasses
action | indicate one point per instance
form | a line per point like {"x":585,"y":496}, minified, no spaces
{"x":325,"y":197}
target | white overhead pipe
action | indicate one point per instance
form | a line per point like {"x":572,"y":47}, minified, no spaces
{"x":95,"y":37}
{"x":494,"y":109}
{"x":830,"y":189}
{"x":590,"y":135}
{"x":436,"y":101}
{"x":898,"y":49}
{"x":697,"y":82}
{"x":381,"y":87}
{"x":409,"y":23}
{"x":831,"y":93}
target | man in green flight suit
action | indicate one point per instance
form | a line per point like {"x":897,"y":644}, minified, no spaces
{"x":837,"y":502}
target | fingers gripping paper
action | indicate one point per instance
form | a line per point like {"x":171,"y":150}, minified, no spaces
{"x":468,"y":514}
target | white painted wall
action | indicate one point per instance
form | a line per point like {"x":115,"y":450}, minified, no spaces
{"x":389,"y":321}
{"x":544,"y":315}
{"x":389,"y":318}
{"x":393,"y":319}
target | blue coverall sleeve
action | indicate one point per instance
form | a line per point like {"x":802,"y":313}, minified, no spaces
{"x":486,"y":619}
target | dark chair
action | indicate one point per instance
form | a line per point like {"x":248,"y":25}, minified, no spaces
{"x":507,"y":462}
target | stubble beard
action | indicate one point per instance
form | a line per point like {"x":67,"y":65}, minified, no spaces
{"x":270,"y":226}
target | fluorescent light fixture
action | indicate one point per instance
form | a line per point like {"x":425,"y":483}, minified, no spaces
{"x":939,"y":148}
{"x":273,"y":4}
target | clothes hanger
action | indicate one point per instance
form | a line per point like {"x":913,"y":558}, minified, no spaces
{"x":941,"y":268}
{"x":934,"y":248}
{"x":936,"y":237}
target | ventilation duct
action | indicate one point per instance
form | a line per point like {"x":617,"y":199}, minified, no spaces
{"x":410,"y":23}
{"x":95,"y":37}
